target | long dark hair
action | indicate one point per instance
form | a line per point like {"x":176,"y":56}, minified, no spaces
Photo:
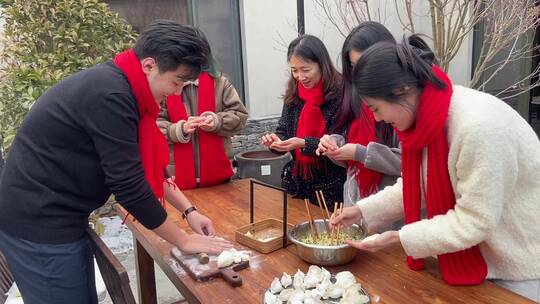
{"x":360,"y":38}
{"x":311,"y":48}
{"x":385,"y":69}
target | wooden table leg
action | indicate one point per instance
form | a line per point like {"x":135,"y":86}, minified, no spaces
{"x":146,"y":280}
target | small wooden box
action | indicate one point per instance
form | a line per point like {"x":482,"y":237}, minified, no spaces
{"x":264,"y":236}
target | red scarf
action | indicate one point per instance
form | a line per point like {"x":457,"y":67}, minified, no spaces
{"x":310,"y":124}
{"x":362,"y":131}
{"x":152,"y":143}
{"x":215,"y":167}
{"x":466,"y":267}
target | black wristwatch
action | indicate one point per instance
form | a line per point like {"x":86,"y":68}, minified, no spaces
{"x":188,"y":211}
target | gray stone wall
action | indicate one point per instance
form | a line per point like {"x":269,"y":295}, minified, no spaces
{"x":250,"y":137}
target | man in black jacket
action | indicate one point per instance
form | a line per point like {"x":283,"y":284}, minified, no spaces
{"x":82,"y":141}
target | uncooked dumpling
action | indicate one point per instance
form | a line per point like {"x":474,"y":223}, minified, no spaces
{"x":285,"y":294}
{"x":276,"y":286}
{"x":298,"y":280}
{"x":313,"y":301}
{"x":352,"y":295}
{"x":311,"y":280}
{"x":297,"y":296}
{"x":313,"y":294}
{"x":335,"y":292}
{"x":286,"y":280}
{"x":314,"y":269}
{"x":325,"y":274}
{"x":270,"y":298}
{"x":345,"y":279}
{"x":225,"y":258}
{"x":324,"y":287}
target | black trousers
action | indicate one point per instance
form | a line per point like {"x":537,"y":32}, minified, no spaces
{"x":51,"y":273}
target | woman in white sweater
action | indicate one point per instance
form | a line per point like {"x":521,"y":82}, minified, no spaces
{"x":468,"y":158}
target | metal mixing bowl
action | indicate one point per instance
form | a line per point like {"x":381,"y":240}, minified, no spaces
{"x":319,"y":254}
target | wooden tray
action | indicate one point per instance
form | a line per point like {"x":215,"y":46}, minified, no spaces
{"x":205,"y":272}
{"x":264,"y":236}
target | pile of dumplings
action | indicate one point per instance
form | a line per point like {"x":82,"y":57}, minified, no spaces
{"x":314,"y":287}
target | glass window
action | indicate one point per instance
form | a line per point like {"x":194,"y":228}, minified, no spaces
{"x":220,"y":21}
{"x":140,"y":13}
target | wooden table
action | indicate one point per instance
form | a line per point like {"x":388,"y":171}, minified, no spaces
{"x":384,"y":274}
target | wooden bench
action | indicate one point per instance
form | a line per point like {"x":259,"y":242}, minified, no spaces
{"x":114,"y":274}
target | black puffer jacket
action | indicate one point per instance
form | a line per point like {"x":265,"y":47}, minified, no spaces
{"x":329,"y":177}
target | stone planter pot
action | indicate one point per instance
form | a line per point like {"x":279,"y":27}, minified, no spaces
{"x":262,"y":165}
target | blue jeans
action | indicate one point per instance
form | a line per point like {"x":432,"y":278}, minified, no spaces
{"x":51,"y":273}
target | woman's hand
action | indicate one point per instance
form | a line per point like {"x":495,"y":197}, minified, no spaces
{"x":192,"y":123}
{"x":268,"y":139}
{"x":196,"y":243}
{"x":200,"y":223}
{"x":349,"y":216}
{"x":377,"y":243}
{"x":346,"y":152}
{"x":288,"y":145}
{"x":209,"y":122}
{"x":326,"y":144}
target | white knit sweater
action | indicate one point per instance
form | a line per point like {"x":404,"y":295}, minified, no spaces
{"x":494,"y":166}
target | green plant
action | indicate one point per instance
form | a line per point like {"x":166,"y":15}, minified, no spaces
{"x":46,"y":40}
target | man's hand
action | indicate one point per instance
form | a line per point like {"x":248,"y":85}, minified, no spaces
{"x":200,"y":223}
{"x":196,"y":243}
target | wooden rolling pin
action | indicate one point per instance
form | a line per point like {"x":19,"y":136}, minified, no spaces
{"x":203,"y":258}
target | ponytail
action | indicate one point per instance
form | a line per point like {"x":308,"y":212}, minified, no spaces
{"x":415,"y":56}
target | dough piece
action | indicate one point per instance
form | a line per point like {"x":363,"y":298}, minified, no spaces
{"x":244,"y":257}
{"x":225,"y":258}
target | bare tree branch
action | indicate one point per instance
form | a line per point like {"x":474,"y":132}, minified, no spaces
{"x":505,"y":23}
